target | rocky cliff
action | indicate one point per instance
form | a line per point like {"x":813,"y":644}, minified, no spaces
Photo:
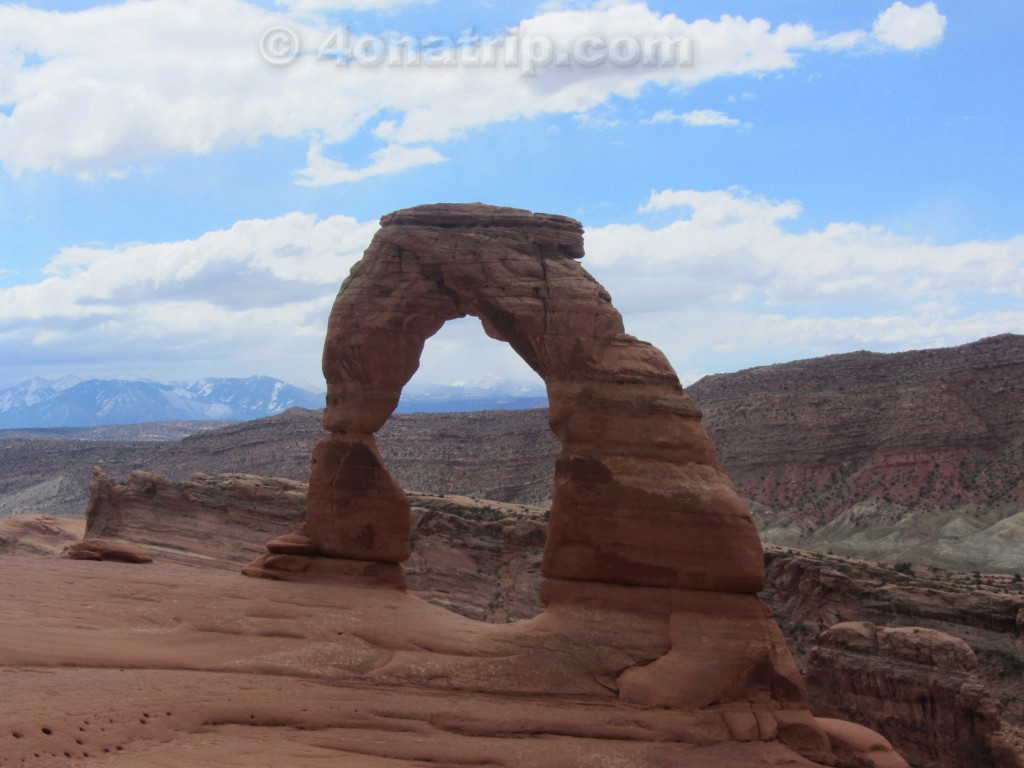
{"x":811,"y":592}
{"x":479,"y":558}
{"x":918,"y":685}
{"x":909,"y":456}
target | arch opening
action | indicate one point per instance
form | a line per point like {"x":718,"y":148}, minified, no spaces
{"x":478,"y":472}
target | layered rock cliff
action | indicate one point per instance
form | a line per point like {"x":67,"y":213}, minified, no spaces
{"x":916,"y":684}
{"x":909,"y":456}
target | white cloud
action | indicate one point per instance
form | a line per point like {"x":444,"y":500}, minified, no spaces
{"x":320,"y":6}
{"x":101,"y":91}
{"x":724,"y":276}
{"x":394,"y":158}
{"x":910,"y":29}
{"x":251,"y":298}
{"x":720,"y":281}
{"x":698,"y":118}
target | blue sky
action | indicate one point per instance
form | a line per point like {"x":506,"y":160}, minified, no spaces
{"x":182,"y":193}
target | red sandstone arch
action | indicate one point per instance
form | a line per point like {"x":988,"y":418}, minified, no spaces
{"x":640,"y":497}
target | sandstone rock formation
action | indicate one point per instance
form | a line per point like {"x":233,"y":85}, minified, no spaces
{"x":651,"y":561}
{"x":917,"y":684}
{"x":640,"y":497}
{"x":219,"y":519}
{"x":38,"y":534}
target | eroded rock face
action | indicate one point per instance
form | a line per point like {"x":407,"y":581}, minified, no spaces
{"x":915,"y":685}
{"x":486,"y":568}
{"x":218,"y":520}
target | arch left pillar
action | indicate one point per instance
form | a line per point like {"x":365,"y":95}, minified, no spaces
{"x":358,"y":519}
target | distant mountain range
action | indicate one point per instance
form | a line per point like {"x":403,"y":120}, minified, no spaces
{"x":96,"y":402}
{"x":485,"y":394}
{"x":44,"y":403}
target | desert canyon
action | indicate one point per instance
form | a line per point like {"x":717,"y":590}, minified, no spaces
{"x":631,"y":625}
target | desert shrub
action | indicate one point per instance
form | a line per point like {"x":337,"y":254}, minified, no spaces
{"x":906,"y":568}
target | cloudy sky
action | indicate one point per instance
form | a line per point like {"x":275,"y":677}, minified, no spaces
{"x":185,"y":183}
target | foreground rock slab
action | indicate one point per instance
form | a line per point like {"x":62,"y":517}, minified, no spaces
{"x":107,"y":663}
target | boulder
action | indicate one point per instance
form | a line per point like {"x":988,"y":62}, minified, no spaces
{"x":107,"y":549}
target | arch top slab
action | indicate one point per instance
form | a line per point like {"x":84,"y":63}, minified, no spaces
{"x":640,"y":497}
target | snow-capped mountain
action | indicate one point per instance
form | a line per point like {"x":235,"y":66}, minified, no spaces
{"x":33,"y":391}
{"x":100,"y":402}
{"x":96,"y":402}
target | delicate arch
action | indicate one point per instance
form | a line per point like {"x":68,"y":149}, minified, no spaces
{"x":640,"y":497}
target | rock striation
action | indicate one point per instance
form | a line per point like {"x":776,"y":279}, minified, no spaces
{"x":918,"y":685}
{"x":107,"y":549}
{"x":217,"y":519}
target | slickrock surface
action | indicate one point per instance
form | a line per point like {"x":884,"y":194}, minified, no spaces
{"x":918,"y":683}
{"x":111,"y":664}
